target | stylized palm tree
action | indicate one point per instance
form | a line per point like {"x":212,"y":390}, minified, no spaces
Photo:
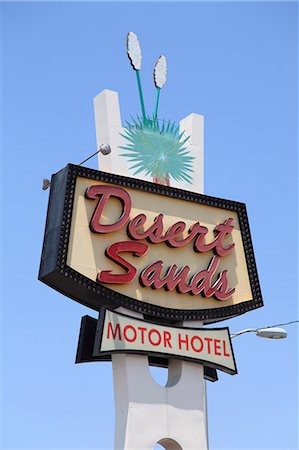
{"x":155,"y":147}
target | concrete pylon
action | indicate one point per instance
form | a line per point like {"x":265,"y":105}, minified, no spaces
{"x":145,"y":412}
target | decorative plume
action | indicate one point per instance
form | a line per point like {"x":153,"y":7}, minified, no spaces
{"x":160,"y":72}
{"x":134,"y":50}
{"x":155,"y":147}
{"x":135,"y":57}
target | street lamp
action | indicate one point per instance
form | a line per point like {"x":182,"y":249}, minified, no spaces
{"x":269,"y":332}
{"x":272,"y":332}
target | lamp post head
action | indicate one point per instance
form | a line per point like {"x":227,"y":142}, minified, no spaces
{"x":272,"y":333}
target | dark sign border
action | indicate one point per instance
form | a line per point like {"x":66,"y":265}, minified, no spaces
{"x":99,"y":337}
{"x":55,"y":272}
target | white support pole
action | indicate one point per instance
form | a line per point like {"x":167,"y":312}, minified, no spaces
{"x":193,"y":126}
{"x":108,"y":129}
{"x":147,"y":413}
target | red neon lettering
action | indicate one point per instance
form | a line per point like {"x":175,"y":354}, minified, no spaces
{"x":114,"y":332}
{"x":175,"y":231}
{"x":151,"y":332}
{"x":174,"y":235}
{"x":142,"y":329}
{"x":183,"y":341}
{"x":209,"y":340}
{"x":217,"y":347}
{"x":134,"y":225}
{"x":201,"y":282}
{"x":198,"y":350}
{"x":152,"y":276}
{"x":105,"y":192}
{"x":153,"y":234}
{"x":127,"y":338}
{"x":176,"y":278}
{"x":224,"y":349}
{"x":223,"y":229}
{"x":220,"y":287}
{"x":167,"y":339}
{"x":112,"y":252}
{"x":217,"y":244}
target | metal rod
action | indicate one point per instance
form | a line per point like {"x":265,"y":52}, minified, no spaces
{"x":157,"y":103}
{"x":141,"y":96}
{"x":89,"y":157}
{"x":250,"y":330}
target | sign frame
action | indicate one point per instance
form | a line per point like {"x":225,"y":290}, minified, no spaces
{"x":86,"y":345}
{"x":100,"y":333}
{"x":55,"y":272}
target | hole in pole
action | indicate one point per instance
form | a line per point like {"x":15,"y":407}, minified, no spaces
{"x":167,"y":444}
{"x":160,"y":375}
{"x":166,"y":376}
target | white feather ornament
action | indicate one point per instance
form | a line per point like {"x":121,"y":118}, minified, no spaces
{"x":160,"y":72}
{"x":134,"y":50}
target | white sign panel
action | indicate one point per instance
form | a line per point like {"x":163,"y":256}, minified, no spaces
{"x":119,"y":333}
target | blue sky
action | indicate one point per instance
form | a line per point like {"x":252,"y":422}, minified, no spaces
{"x":234,"y":62}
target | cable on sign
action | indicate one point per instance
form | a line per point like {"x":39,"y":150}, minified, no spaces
{"x":105,"y":149}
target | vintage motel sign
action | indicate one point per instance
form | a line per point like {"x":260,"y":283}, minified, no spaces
{"x":120,"y":333}
{"x":167,"y":253}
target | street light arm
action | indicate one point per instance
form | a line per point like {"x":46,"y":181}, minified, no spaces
{"x":248,"y":330}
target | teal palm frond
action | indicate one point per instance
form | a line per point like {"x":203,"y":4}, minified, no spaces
{"x":158,"y":150}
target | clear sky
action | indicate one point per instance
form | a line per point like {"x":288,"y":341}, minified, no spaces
{"x":234,"y":62}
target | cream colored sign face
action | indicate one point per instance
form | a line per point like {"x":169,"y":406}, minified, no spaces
{"x":221,"y":270}
{"x":121,"y":333}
